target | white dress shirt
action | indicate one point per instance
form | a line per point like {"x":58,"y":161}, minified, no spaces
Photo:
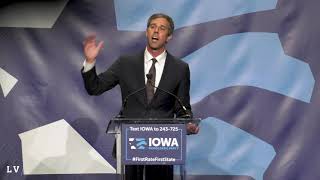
{"x":161,"y":59}
{"x":159,"y":65}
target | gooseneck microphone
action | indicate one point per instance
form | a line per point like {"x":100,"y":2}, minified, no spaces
{"x":120,"y":115}
{"x":186,"y":114}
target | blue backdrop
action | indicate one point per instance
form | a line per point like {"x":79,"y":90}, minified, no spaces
{"x":254,"y":82}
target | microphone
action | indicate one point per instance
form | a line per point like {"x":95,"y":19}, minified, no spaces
{"x":186,"y":114}
{"x":120,"y":115}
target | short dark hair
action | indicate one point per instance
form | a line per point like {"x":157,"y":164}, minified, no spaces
{"x":161,"y":15}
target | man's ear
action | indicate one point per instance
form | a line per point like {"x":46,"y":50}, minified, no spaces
{"x":169,"y":38}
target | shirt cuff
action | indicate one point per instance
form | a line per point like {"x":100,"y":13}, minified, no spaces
{"x":88,"y":66}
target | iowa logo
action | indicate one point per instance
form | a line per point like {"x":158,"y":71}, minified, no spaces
{"x":137,"y":143}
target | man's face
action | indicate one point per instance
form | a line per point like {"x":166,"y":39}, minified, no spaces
{"x":158,"y":33}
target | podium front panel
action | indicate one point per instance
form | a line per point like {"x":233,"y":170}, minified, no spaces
{"x":151,"y":144}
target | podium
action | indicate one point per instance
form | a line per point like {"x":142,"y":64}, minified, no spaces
{"x":151,"y":141}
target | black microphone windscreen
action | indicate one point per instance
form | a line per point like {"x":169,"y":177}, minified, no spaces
{"x":149,"y":76}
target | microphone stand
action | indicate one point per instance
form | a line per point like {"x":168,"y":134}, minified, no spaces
{"x":186,"y":114}
{"x":120,"y":115}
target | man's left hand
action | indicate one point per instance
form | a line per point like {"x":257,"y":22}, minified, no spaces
{"x":192,"y":128}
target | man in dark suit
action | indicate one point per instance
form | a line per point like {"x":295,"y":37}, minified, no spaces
{"x":130,"y":72}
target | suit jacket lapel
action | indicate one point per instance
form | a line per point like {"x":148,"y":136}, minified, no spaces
{"x":141,"y":78}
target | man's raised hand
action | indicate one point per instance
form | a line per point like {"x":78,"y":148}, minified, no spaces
{"x":91,"y":49}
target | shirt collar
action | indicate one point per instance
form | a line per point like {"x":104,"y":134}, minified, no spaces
{"x":160,"y":59}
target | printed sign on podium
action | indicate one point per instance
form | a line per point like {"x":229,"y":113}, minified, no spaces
{"x":153,"y":144}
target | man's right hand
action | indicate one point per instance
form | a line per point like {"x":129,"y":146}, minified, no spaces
{"x":91,"y":49}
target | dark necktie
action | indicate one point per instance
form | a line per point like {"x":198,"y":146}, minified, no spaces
{"x":149,"y":87}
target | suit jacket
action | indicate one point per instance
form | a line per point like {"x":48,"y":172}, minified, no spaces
{"x":128,"y":72}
